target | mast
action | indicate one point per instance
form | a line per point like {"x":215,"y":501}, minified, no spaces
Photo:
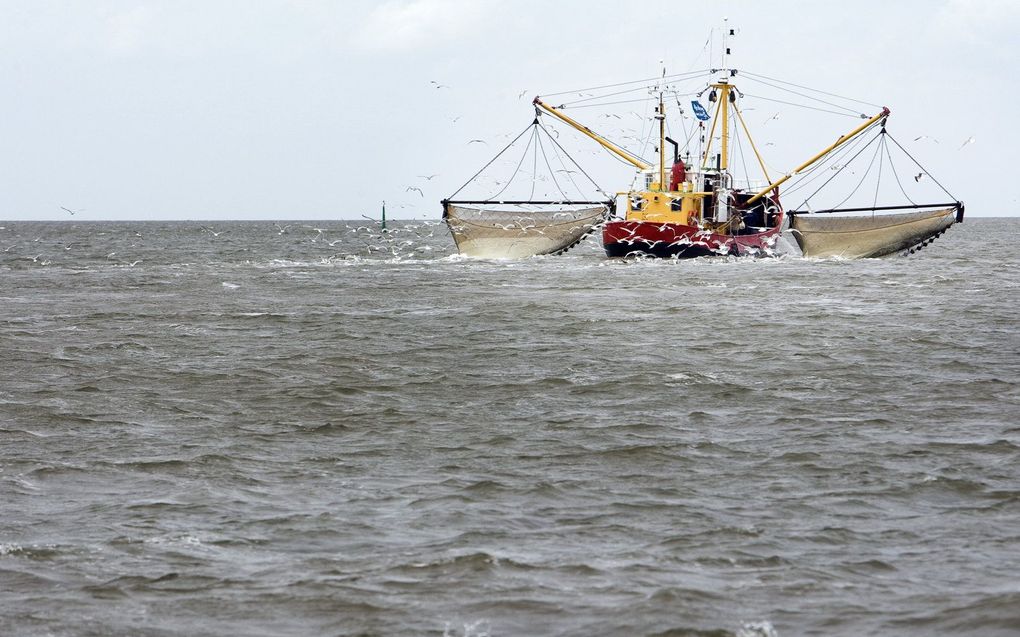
{"x":724,"y":108}
{"x":661,"y":115}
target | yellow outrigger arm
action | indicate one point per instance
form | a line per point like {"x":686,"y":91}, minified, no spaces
{"x":839,"y":142}
{"x":601,"y":141}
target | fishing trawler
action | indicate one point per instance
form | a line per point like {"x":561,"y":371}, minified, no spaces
{"x":694,"y":206}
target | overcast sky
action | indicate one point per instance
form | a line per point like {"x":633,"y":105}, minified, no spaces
{"x":276,"y":109}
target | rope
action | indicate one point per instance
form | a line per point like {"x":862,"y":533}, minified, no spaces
{"x":804,"y":95}
{"x":516,"y":170}
{"x":863,"y":148}
{"x":583,"y":172}
{"x":569,"y":173}
{"x":813,"y":108}
{"x":743,"y":160}
{"x":808,"y":88}
{"x":653,"y":80}
{"x":881,"y":162}
{"x":494,"y":159}
{"x":750,"y":140}
{"x":573,"y":103}
{"x":643,"y":99}
{"x":865,"y":176}
{"x":806,"y":178}
{"x":892,"y":165}
{"x":534,"y":164}
{"x":552,"y":174}
{"x":918,"y":164}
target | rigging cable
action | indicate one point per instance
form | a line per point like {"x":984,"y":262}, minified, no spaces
{"x":881,"y":161}
{"x":495,"y":158}
{"x":634,"y":101}
{"x":583,"y":172}
{"x":516,"y":170}
{"x":808,"y":88}
{"x":813,"y":108}
{"x":534,"y":167}
{"x":552,"y":175}
{"x":566,"y":171}
{"x":833,"y":156}
{"x":653,"y":80}
{"x":743,"y":159}
{"x":892,"y":165}
{"x":865,"y":176}
{"x":573,"y":103}
{"x":863,"y":148}
{"x":803,"y":95}
{"x":918,"y":164}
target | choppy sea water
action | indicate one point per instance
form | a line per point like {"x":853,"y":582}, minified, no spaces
{"x":316,"y":429}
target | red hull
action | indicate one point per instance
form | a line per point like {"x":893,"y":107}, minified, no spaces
{"x":678,"y":241}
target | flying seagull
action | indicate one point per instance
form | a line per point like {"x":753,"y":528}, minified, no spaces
{"x":71,"y":211}
{"x":428,"y":177}
{"x":418,"y":190}
{"x":918,"y":176}
{"x":437,"y":84}
{"x":917,"y":139}
{"x":970,"y":140}
{"x":478,"y":141}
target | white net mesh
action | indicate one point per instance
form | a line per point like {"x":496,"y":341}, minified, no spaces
{"x":514,"y":232}
{"x":868,"y":236}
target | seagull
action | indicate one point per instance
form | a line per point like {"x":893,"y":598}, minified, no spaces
{"x":333,"y":243}
{"x":71,"y":211}
{"x":970,"y":140}
{"x":418,"y":190}
{"x":776,"y":116}
{"x":917,"y":139}
{"x":477,"y":141}
{"x":213,"y":232}
{"x":918,"y":176}
{"x":522,"y":93}
{"x":437,"y":84}
{"x":282,"y":229}
{"x":454,"y":120}
{"x":428,"y":177}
